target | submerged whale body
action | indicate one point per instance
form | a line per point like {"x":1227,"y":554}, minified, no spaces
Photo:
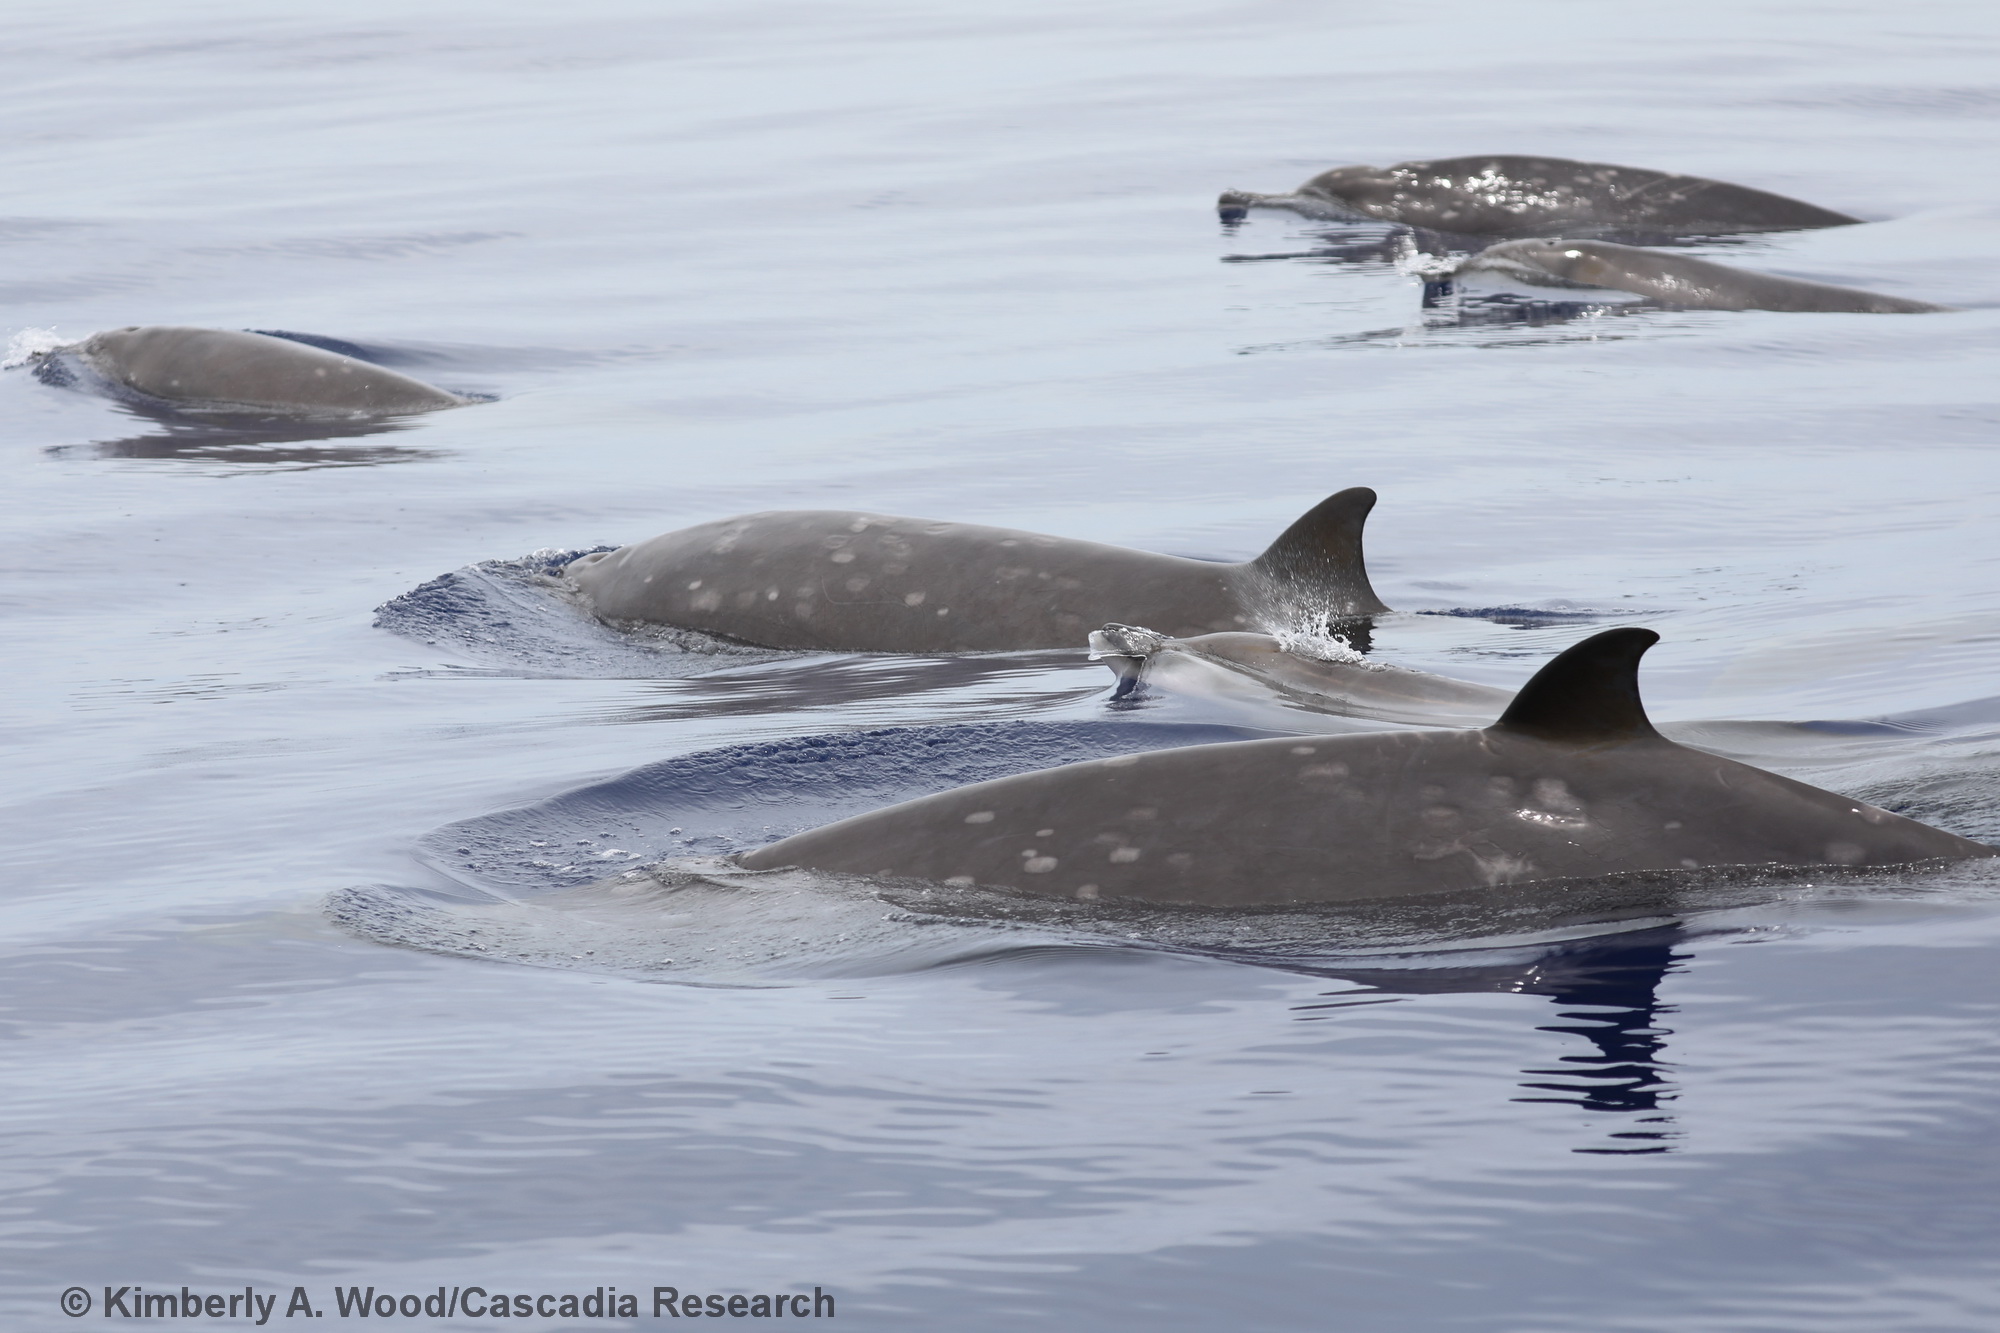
{"x":1572,"y":782}
{"x":1261,"y":666}
{"x":220,"y":369}
{"x":831,"y":580}
{"x":1510,"y":195}
{"x":1677,"y":279}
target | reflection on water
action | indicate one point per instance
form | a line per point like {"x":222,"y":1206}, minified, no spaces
{"x":252,"y":443}
{"x":1529,"y":617}
{"x":1500,"y":319}
{"x":1355,"y":244}
{"x":1607,"y":991}
{"x":823,"y":682}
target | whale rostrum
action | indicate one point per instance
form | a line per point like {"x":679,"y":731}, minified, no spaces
{"x":220,"y":369}
{"x":1677,"y":279}
{"x":833,"y":580}
{"x":1511,"y":195}
{"x":1572,"y":782}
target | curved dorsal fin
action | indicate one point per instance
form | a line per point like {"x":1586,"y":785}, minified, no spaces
{"x":1323,"y":548}
{"x":1587,"y":694}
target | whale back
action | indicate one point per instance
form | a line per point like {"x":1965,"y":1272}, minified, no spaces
{"x":1679,"y":279}
{"x":855,"y":582}
{"x":1572,"y":783}
{"x":845,"y":581}
{"x":1510,"y":194}
{"x":223,"y":368}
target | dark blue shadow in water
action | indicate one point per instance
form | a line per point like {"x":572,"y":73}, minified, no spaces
{"x":1607,"y":992}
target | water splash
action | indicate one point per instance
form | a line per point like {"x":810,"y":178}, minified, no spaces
{"x":31,"y":345}
{"x":1321,"y":641}
{"x":1413,"y":261}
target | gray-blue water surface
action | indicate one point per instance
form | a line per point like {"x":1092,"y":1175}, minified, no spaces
{"x":962,"y":260}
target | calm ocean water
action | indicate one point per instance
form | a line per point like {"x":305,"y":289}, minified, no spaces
{"x":959,"y":261}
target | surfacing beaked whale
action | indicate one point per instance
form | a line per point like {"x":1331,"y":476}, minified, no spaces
{"x":831,"y":580}
{"x":1261,"y":666}
{"x":221,"y":369}
{"x":1572,"y":782}
{"x":1509,"y":195}
{"x":1677,"y":279}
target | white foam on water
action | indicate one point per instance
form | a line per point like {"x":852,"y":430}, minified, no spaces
{"x":28,"y":345}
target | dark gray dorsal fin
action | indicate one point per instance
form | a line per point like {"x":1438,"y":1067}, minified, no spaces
{"x":1323,"y":550}
{"x":1587,"y":694}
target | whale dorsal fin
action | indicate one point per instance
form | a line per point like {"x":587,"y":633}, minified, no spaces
{"x":1587,"y":694}
{"x":1323,"y":548}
